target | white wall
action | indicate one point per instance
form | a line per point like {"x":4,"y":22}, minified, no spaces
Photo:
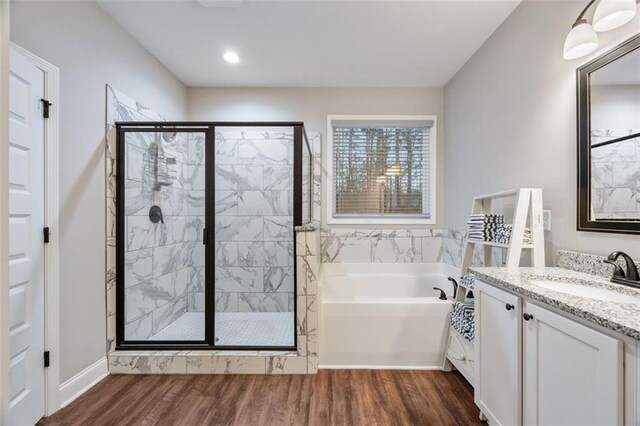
{"x":511,"y":122}
{"x":615,"y":106}
{"x":313,"y":105}
{"x":91,"y":50}
{"x":4,"y":212}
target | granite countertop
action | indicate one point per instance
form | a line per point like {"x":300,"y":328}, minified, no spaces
{"x":623,"y":318}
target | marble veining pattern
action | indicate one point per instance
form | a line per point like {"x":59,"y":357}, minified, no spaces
{"x":615,"y":183}
{"x":187,"y":200}
{"x":254,"y":219}
{"x":397,"y":245}
{"x":302,"y":361}
{"x":623,"y":318}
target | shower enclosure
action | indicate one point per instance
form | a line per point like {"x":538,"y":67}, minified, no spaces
{"x":205,"y":243}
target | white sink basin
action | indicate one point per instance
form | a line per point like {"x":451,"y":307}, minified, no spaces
{"x":580,"y":290}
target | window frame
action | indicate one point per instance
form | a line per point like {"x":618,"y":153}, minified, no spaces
{"x":372,"y":120}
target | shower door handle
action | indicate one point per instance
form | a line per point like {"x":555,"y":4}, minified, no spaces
{"x":205,"y":236}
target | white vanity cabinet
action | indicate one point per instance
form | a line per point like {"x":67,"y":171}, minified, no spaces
{"x":572,"y":374}
{"x":498,"y":355}
{"x":536,"y":367}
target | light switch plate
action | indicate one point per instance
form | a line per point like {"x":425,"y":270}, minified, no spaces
{"x":546,"y":219}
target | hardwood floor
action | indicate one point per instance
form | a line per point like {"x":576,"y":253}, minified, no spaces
{"x":332,"y":397}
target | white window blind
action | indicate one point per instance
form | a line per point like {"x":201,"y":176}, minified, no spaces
{"x":381,"y":171}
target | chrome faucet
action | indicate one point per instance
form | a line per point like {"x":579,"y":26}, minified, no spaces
{"x":631,"y":277}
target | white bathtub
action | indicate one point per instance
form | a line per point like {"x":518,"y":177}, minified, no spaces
{"x":384,"y":315}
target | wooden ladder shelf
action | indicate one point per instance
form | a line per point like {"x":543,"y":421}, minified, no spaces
{"x":528,"y":210}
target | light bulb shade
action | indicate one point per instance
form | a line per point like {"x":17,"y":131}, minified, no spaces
{"x":611,"y":14}
{"x":580,"y":41}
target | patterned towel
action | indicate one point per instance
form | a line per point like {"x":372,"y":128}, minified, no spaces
{"x":462,"y":319}
{"x":468,"y":281}
{"x":483,"y":227}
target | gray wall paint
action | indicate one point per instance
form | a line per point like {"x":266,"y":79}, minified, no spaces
{"x":91,"y":50}
{"x":312,"y":105}
{"x":511,"y":122}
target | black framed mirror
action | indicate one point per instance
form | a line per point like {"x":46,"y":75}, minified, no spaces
{"x":609,"y":141}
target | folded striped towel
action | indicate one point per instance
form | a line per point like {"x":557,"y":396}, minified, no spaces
{"x":463,"y":319}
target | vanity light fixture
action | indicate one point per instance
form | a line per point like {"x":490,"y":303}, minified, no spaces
{"x":231,"y":57}
{"x":609,"y":14}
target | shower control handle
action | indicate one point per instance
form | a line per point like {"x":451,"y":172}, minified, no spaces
{"x":155,"y":214}
{"x":509,"y":306}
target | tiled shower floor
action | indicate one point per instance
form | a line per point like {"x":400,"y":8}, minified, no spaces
{"x":234,"y":328}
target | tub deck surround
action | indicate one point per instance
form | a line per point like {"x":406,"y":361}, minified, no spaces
{"x":623,"y":318}
{"x":397,"y":245}
{"x":362,"y":245}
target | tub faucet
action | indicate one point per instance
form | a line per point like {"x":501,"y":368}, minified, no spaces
{"x":631,"y":277}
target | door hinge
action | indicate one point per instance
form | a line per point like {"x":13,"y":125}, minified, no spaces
{"x":45,"y":107}
{"x":205,"y":236}
{"x":45,"y":232}
{"x":47,"y":360}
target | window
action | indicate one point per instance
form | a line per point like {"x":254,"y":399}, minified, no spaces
{"x":381,"y":169}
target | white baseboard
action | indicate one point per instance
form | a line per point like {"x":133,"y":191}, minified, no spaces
{"x":83,"y":381}
{"x":377,"y":367}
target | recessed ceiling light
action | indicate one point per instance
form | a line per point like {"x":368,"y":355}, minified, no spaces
{"x":231,"y":57}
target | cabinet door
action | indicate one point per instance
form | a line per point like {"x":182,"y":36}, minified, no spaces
{"x":498,"y":354}
{"x":572,"y":373}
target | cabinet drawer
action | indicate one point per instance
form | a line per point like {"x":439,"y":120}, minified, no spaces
{"x":462,"y":355}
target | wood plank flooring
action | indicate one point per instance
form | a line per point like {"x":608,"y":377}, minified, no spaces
{"x":332,"y":397}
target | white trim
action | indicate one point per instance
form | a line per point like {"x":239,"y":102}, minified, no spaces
{"x":4,"y":212}
{"x":379,"y":367}
{"x":51,"y":214}
{"x":83,"y":381}
{"x":431,"y":220}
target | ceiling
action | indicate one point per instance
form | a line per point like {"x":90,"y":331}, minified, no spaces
{"x":301,"y":43}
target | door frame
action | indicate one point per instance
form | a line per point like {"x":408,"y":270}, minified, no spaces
{"x":51,"y":251}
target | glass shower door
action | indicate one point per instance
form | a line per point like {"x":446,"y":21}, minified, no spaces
{"x":254,"y":237}
{"x":161,"y":215}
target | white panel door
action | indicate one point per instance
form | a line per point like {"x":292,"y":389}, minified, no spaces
{"x":498,"y":354}
{"x":572,"y":373}
{"x":26,"y":251}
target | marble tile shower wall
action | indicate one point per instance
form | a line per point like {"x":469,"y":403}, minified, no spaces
{"x":195,"y":193}
{"x":119,"y":108}
{"x":616,"y":175}
{"x":304,"y":360}
{"x":254,"y":220}
{"x":164,"y":262}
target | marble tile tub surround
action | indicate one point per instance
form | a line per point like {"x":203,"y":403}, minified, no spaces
{"x":587,"y":263}
{"x":416,"y":245}
{"x":623,"y":318}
